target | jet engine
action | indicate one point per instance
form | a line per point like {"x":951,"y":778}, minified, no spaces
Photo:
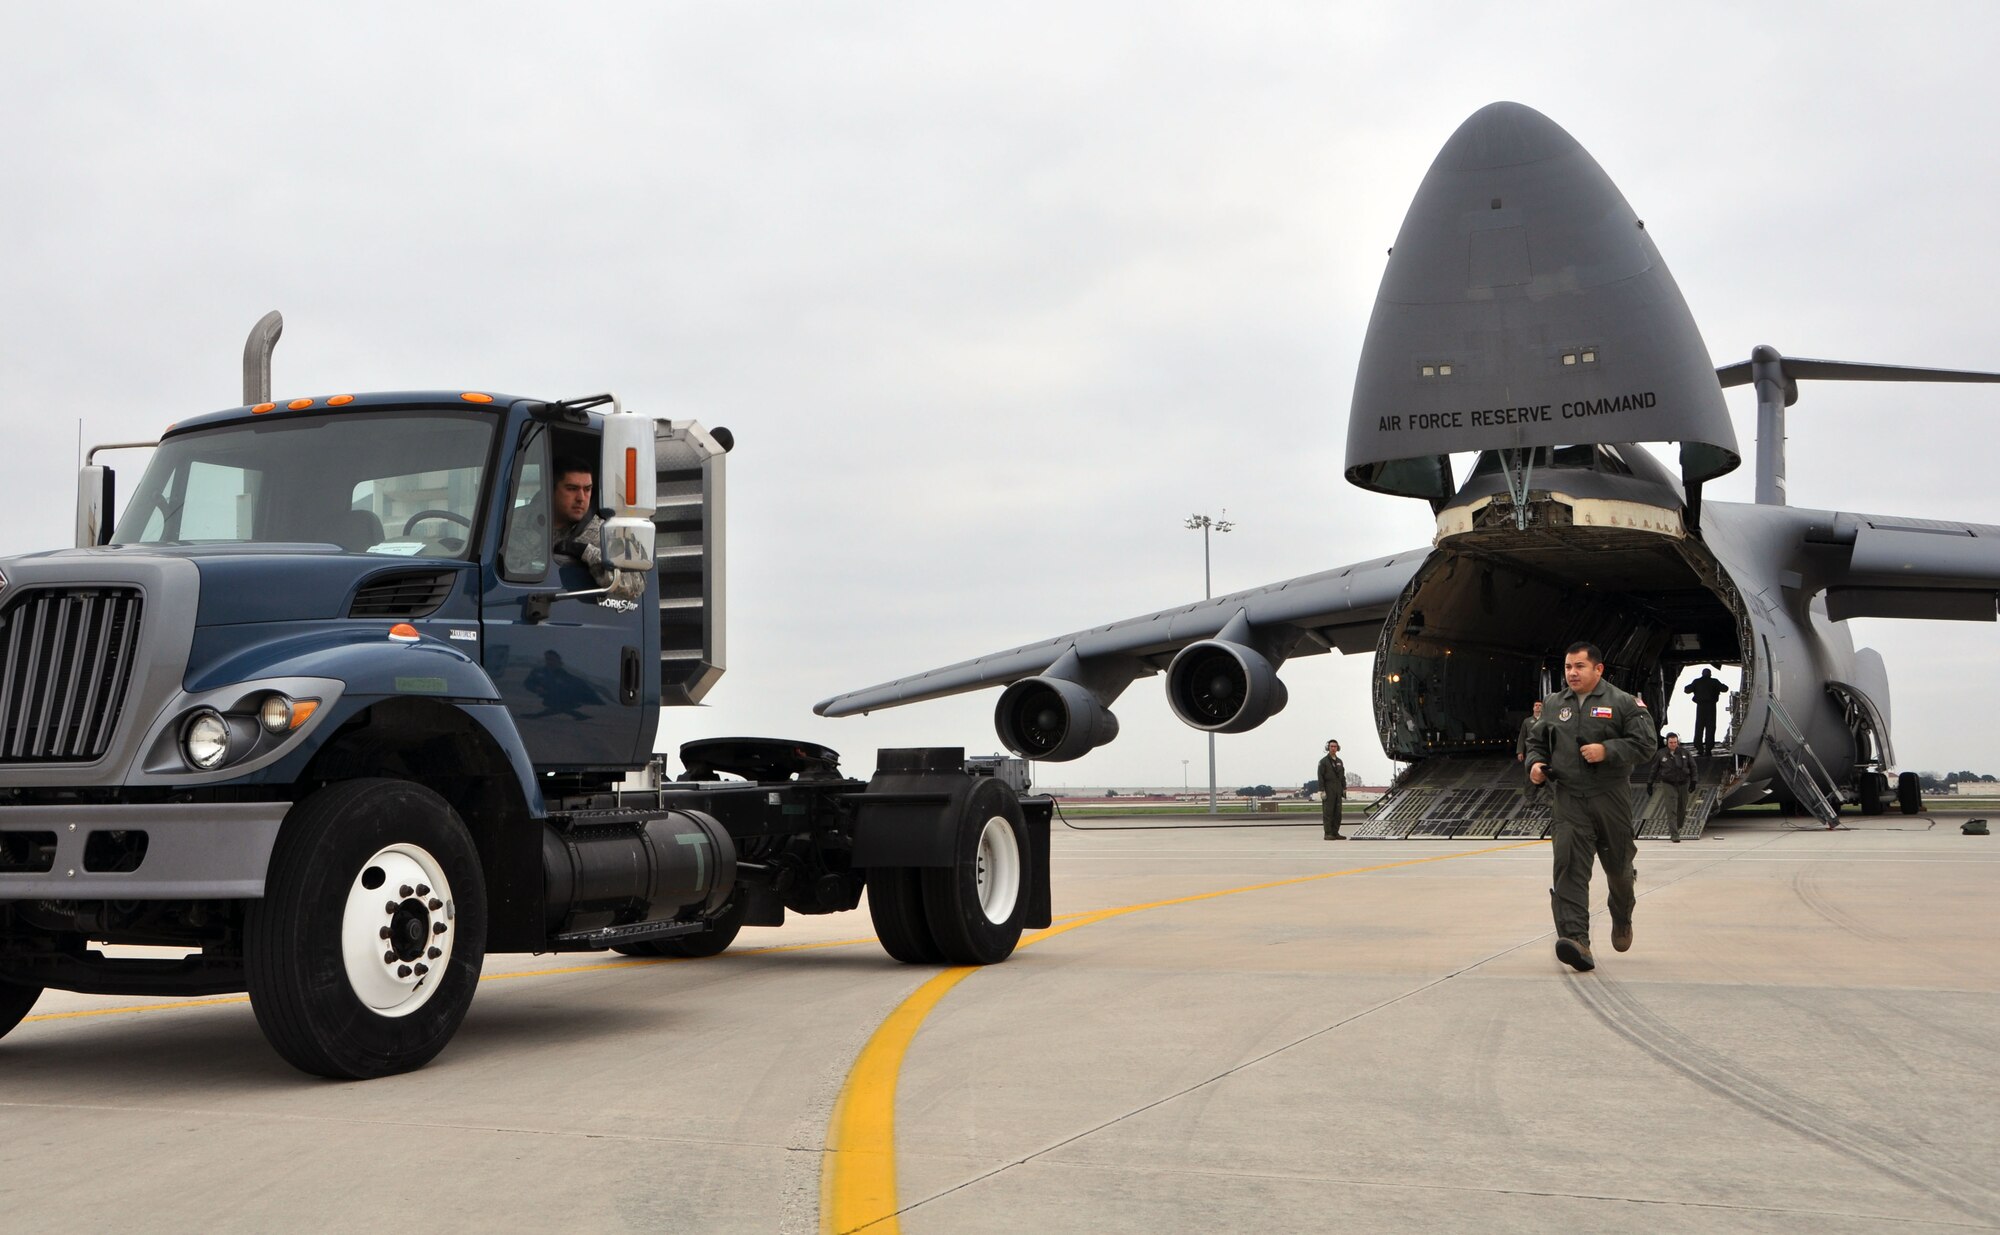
{"x":1052,"y":719}
{"x":1224,"y":687}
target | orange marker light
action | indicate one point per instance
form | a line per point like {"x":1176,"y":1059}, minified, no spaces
{"x":631,"y":475}
{"x":298,"y":405}
{"x":403,"y":632}
{"x":261,"y":408}
{"x":302,"y":709}
{"x":340,"y":400}
{"x":473,"y":396}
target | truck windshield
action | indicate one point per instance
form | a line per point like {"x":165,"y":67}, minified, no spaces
{"x":399,"y":483}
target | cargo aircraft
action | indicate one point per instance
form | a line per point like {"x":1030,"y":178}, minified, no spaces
{"x":1525,"y":317}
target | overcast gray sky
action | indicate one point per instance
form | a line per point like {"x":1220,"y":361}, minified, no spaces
{"x":993,"y":296}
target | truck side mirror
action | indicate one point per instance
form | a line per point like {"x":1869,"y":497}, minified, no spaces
{"x":96,"y":490}
{"x":628,"y":473}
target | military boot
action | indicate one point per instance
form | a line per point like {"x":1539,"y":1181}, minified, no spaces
{"x":1621,"y":936}
{"x":1576,"y":954}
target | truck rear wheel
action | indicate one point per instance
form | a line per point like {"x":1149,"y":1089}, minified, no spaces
{"x":975,"y":906}
{"x":364,"y":953}
{"x":16,"y":1001}
{"x":896,"y":906}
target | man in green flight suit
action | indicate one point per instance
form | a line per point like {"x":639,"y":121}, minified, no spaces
{"x":1332,"y":790}
{"x":1535,"y":792}
{"x":1590,"y":738}
{"x":1674,"y":772}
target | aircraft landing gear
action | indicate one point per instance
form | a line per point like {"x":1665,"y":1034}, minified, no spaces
{"x":1909,"y":793}
{"x":1873,"y":793}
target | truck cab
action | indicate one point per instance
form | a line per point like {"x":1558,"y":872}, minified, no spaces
{"x":325,"y":709}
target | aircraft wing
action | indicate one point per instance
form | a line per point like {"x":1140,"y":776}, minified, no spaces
{"x":1913,"y":568}
{"x":1341,"y":608}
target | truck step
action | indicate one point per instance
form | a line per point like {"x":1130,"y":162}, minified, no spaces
{"x":568,"y":820}
{"x":632,"y":932}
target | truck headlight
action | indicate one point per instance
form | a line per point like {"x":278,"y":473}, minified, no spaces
{"x":205,"y":739}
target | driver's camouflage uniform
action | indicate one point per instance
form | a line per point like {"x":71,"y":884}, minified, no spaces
{"x":584,"y":543}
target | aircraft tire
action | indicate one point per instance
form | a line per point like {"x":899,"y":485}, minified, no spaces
{"x":16,"y":1001}
{"x":1873,"y":793}
{"x":370,"y":879}
{"x":1909,"y":793}
{"x":975,"y":906}
{"x":896,"y":905}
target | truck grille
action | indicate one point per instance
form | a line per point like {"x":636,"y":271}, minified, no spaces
{"x":67,"y":660}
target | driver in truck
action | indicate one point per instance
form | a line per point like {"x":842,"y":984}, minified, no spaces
{"x":577,"y":535}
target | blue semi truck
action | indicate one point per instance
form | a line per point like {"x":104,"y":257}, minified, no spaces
{"x":320,"y":716}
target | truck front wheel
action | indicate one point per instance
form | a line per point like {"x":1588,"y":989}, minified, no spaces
{"x":364,"y":953}
{"x":15,"y":1002}
{"x":976,"y":905}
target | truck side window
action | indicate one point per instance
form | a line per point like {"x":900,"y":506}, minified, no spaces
{"x":524,"y":550}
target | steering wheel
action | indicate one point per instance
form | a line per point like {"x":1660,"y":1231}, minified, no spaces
{"x":446,"y":515}
{"x":450,"y":545}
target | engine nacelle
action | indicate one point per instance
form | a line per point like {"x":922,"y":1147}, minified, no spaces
{"x":1224,"y":687}
{"x":1052,"y":719}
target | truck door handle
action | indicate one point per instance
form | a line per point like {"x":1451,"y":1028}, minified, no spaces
{"x":628,"y":676}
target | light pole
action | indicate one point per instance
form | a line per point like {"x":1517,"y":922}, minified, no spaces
{"x":1208,"y":525}
{"x":1184,"y":784}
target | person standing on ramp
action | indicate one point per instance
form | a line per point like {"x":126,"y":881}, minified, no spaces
{"x":1590,"y":738}
{"x":1672,"y":776}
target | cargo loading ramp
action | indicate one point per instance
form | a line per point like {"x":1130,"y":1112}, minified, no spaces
{"x":1489,"y":797}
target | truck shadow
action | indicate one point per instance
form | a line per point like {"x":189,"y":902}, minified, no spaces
{"x":219,"y":1051}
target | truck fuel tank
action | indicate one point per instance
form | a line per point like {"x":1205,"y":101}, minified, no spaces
{"x":611,"y":867}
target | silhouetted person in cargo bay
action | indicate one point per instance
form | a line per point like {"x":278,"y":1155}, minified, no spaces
{"x":1706,"y":690}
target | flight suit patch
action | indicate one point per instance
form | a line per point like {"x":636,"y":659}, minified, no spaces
{"x":1563,"y":715}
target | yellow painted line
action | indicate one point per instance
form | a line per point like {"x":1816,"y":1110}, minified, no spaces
{"x":858,"y":1181}
{"x":630,"y":963}
{"x":858,"y":1172}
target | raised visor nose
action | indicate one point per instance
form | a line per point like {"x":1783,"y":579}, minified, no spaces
{"x":1524,"y":304}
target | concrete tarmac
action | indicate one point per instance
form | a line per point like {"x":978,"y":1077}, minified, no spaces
{"x":1806,"y":1037}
